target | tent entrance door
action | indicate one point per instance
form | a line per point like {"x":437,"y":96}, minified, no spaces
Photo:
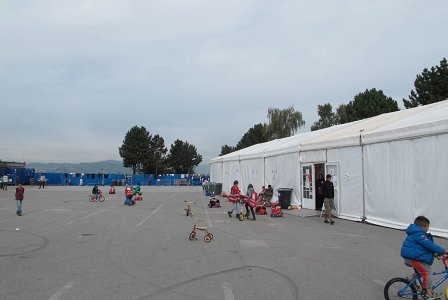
{"x":307,"y":186}
{"x":333,"y":170}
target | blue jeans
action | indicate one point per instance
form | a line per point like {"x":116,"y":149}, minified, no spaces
{"x":235,"y":207}
{"x":19,"y":206}
{"x":128,"y":200}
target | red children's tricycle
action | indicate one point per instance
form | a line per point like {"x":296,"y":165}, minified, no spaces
{"x":276,"y":210}
{"x":208,"y":236}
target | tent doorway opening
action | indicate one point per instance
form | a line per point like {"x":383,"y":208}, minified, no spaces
{"x":319,"y":169}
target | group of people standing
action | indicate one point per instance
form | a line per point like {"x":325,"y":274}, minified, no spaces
{"x":253,"y":199}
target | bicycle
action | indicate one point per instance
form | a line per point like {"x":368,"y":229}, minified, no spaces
{"x":188,"y":210}
{"x":241,"y":215}
{"x":99,"y":198}
{"x":399,"y":288}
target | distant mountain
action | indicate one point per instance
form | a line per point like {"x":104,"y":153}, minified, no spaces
{"x":107,"y":166}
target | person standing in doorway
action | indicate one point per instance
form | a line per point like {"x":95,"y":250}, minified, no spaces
{"x":319,"y":197}
{"x":19,"y":198}
{"x":328,"y":193}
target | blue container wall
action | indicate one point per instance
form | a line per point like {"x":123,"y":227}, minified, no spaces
{"x":109,"y":179}
{"x":19,"y":175}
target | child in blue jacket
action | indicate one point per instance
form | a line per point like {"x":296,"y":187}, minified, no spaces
{"x":418,"y":250}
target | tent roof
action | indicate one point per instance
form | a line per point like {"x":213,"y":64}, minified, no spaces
{"x":276,"y":147}
{"x":420,"y":121}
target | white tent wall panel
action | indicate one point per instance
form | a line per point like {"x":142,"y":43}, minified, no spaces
{"x":409,"y":183}
{"x":429,"y":182}
{"x":350,"y":204}
{"x":216,"y":174}
{"x":248,"y":167}
{"x":283,"y":171}
{"x":230,"y":174}
{"x":388,"y":172}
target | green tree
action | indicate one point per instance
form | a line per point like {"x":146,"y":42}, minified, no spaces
{"x":367,"y":104}
{"x":135,"y":150}
{"x":430,"y":87}
{"x":226,"y":149}
{"x":282,"y":123}
{"x":327,"y":117}
{"x":156,"y":164}
{"x":183,"y":158}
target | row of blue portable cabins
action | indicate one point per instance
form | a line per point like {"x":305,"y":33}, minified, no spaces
{"x":29,"y":176}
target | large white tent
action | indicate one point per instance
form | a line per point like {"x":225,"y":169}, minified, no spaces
{"x":386,"y":169}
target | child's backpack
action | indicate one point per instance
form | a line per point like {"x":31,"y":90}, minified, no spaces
{"x":129,"y":192}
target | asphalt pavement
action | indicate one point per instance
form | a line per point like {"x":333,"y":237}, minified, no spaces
{"x":65,"y":247}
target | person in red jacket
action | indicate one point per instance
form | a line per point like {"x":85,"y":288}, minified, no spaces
{"x":251,"y":202}
{"x":234,"y":197}
{"x":19,"y":198}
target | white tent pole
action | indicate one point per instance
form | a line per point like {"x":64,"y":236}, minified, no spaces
{"x":363,"y":176}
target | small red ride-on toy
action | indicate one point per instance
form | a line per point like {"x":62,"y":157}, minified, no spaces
{"x":138,"y":198}
{"x":276,"y":210}
{"x":213,"y":202}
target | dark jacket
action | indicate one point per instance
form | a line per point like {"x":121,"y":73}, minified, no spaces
{"x":328,"y":189}
{"x":419,"y":245}
{"x":95,"y":190}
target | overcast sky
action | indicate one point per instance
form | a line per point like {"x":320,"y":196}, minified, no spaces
{"x":75,"y":76}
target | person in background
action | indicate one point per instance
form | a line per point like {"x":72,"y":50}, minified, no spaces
{"x":42,"y":180}
{"x":5,"y":182}
{"x":319,"y":197}
{"x":20,"y":191}
{"x":251,"y":201}
{"x":328,"y":193}
{"x":234,"y":197}
{"x":136,"y":189}
{"x":129,"y":195}
{"x":95,"y":191}
{"x":269,"y":192}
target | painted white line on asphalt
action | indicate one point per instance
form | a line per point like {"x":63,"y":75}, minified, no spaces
{"x":65,"y":288}
{"x":174,"y":194}
{"x":91,"y":215}
{"x":348,"y":234}
{"x":140,"y":224}
{"x":208,"y":217}
{"x":97,"y":212}
{"x":227,"y":291}
{"x":379,"y":282}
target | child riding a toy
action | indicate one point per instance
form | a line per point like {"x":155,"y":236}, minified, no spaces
{"x":96,"y":192}
{"x":112,"y":189}
{"x":136,"y":190}
{"x":128,"y":192}
{"x":213,"y":202}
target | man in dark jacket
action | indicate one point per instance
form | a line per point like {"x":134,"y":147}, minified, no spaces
{"x":328,"y":193}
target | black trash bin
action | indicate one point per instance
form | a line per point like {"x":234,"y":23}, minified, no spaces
{"x":284,"y":197}
{"x":218,"y":188}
